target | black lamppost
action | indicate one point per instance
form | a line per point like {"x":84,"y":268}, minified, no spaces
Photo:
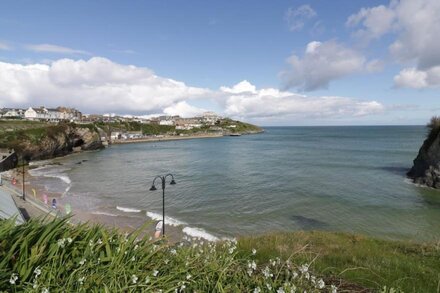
{"x":153,"y":187}
{"x":25,"y":160}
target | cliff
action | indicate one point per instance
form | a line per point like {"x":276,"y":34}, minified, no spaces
{"x":53,"y":141}
{"x":426,"y":166}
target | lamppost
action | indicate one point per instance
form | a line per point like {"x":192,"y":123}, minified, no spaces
{"x":25,"y":160}
{"x":153,"y":188}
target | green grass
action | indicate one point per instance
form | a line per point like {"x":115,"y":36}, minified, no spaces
{"x":56,"y":256}
{"x":360,"y":260}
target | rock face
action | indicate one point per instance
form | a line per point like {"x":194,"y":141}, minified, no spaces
{"x":426,"y":168}
{"x":60,"y":141}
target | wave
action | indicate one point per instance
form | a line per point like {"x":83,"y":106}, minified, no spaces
{"x":199,"y":233}
{"x":168,"y":220}
{"x":63,"y":178}
{"x":104,"y":214}
{"x":127,"y":210}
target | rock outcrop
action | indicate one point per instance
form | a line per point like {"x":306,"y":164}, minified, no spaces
{"x":426,"y":167}
{"x":60,"y":140}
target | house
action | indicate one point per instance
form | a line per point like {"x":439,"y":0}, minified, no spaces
{"x":13,"y":113}
{"x":115,"y":135}
{"x":166,"y":122}
{"x":58,"y":114}
{"x":210,"y":118}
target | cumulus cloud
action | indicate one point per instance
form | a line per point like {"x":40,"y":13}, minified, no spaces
{"x":297,"y":17}
{"x":97,"y":85}
{"x":320,"y":64}
{"x":418,"y":79}
{"x":416,"y":24}
{"x":244,"y":100}
{"x":183,"y":109}
{"x":55,"y":49}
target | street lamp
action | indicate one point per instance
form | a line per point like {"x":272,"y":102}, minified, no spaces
{"x":25,"y":160}
{"x":153,"y":188}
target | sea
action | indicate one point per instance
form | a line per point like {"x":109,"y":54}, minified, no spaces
{"x":346,"y":179}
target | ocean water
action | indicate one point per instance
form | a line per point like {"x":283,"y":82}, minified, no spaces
{"x":348,"y":179}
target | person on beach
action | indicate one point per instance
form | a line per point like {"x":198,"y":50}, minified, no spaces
{"x":159,"y":228}
{"x":54,"y":203}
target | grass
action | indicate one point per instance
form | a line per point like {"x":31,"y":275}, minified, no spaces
{"x":361,"y":260}
{"x":54,"y":256}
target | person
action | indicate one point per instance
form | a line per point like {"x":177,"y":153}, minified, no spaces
{"x":54,"y":203}
{"x":159,"y":227}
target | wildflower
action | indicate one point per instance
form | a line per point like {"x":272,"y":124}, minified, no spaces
{"x":99,"y":241}
{"x":292,"y":288}
{"x":307,"y":275}
{"x":231,"y":250}
{"x":254,"y":251}
{"x":320,"y":284}
{"x":99,"y":260}
{"x":334,"y":289}
{"x":182,"y":287}
{"x":69,"y":240}
{"x":252,"y":265}
{"x":45,"y":290}
{"x":83,"y":261}
{"x":61,"y":242}
{"x":81,"y":280}
{"x":249,"y":272}
{"x":304,"y":268}
{"x":188,"y":276}
{"x":147,"y":280}
{"x":134,"y":279}
{"x":269,"y":287}
{"x":90,"y":243}
{"x":136,"y":247}
{"x":173,"y":251}
{"x":294,"y":275}
{"x":37,"y":272}
{"x":118,"y":249}
{"x":313,"y":279}
{"x":13,"y":279}
{"x":280,"y":290}
{"x":267,"y":273}
{"x":272,"y":262}
{"x":133,"y":258}
{"x":166,"y":261}
{"x":155,"y":272}
{"x":257,"y":290}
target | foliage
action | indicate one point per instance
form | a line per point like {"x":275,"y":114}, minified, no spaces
{"x":434,"y":130}
{"x":56,"y":256}
{"x":356,"y":259}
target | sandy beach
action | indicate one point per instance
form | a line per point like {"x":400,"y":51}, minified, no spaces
{"x":35,"y":206}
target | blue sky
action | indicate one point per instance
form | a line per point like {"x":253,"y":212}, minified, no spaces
{"x":208,"y":45}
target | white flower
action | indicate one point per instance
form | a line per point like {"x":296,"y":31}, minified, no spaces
{"x":99,"y":260}
{"x":334,"y":289}
{"x":304,"y":268}
{"x":292,"y":288}
{"x":133,"y":258}
{"x":307,"y":275}
{"x":134,"y":279}
{"x":269,"y":286}
{"x":173,"y":251}
{"x":182,"y":287}
{"x":254,"y":251}
{"x":320,"y":284}
{"x":45,"y":290}
{"x":118,"y":249}
{"x":136,"y":247}
{"x":188,"y":276}
{"x":13,"y":279}
{"x":313,"y":279}
{"x":147,"y":280}
{"x":37,"y":272}
{"x":294,"y":275}
{"x":249,"y":272}
{"x":166,"y":261}
{"x":69,"y":240}
{"x":280,"y":290}
{"x":81,"y":280}
{"x":83,"y":261}
{"x":155,"y":272}
{"x":99,"y":241}
{"x":257,"y":290}
{"x":267,"y":273}
{"x":61,"y":242}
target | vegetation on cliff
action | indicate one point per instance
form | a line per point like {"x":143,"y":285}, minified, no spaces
{"x":55,"y":256}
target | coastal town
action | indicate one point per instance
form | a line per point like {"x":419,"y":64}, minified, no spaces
{"x":206,"y":123}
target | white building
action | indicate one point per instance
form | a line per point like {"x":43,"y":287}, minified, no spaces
{"x":10,"y":113}
{"x":166,"y":122}
{"x":210,"y":118}
{"x":58,"y":114}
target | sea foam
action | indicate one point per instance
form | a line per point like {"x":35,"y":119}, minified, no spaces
{"x":199,"y":233}
{"x":127,"y":210}
{"x":168,"y":220}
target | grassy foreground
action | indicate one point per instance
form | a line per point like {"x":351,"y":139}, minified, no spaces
{"x":54,"y":256}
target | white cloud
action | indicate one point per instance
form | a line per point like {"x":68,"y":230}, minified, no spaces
{"x":244,"y":101}
{"x":96,"y":85}
{"x":183,"y":109}
{"x":416,"y":24}
{"x":55,"y":49}
{"x":320,"y":64}
{"x":418,"y":79}
{"x":297,"y":17}
{"x":376,"y":22}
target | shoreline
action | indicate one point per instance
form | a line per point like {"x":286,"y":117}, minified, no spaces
{"x":165,"y":138}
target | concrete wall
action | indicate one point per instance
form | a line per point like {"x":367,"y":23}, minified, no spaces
{"x":10,"y":162}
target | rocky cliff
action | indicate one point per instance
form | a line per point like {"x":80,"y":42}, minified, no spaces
{"x":426,"y":167}
{"x":57,"y":141}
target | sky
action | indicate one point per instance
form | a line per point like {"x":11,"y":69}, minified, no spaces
{"x":291,"y":62}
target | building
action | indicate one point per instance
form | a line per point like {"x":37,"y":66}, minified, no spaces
{"x":58,"y":114}
{"x":210,"y":118}
{"x":12,"y":113}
